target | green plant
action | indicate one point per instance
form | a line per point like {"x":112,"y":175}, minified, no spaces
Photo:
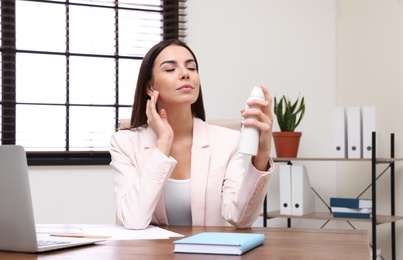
{"x":289,"y":114}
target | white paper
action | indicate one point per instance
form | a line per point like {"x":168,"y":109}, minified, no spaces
{"x":122,"y":233}
{"x":57,"y":228}
{"x":116,"y":232}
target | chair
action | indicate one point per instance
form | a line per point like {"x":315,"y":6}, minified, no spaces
{"x":228,"y":123}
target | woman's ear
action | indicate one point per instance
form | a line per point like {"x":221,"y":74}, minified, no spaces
{"x":150,"y":90}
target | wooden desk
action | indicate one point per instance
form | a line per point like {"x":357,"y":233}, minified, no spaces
{"x":280,"y":243}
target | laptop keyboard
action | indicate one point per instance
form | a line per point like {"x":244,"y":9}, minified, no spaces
{"x":51,"y":243}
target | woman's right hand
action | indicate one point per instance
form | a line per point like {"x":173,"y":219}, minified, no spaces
{"x":159,"y":124}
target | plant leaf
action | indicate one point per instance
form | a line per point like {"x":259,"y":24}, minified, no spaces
{"x":289,"y":115}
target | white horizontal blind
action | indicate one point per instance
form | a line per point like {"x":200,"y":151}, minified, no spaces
{"x":76,"y":67}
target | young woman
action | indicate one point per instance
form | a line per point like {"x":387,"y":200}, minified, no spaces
{"x":171,"y":167}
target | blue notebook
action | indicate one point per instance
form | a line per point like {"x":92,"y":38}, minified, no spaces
{"x":351,"y":215}
{"x":219,"y":243}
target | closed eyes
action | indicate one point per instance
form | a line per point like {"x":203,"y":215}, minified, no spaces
{"x":173,"y":69}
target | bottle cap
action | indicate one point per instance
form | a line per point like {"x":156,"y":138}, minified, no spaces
{"x":257,"y":92}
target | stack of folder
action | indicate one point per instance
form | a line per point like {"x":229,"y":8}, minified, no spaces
{"x":351,"y":207}
{"x":352,"y":131}
{"x":296,"y":195}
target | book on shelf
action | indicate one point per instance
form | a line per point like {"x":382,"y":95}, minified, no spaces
{"x":228,"y":243}
{"x":351,"y":215}
{"x":350,"y":202}
{"x":351,"y":210}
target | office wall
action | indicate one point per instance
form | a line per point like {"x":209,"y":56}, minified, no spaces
{"x":370,"y":58}
{"x":332,"y":52}
{"x":288,"y":45}
{"x":72,"y":194}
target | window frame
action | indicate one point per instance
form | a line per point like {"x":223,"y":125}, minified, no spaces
{"x":173,"y":27}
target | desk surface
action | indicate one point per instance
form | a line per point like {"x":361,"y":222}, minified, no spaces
{"x":280,"y":243}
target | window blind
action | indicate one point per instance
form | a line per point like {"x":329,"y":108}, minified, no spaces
{"x":69,"y":71}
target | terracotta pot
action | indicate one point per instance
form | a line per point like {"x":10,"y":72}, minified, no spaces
{"x":286,"y":144}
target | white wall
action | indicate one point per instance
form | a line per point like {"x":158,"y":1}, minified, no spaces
{"x":332,"y":52}
{"x":370,"y":57}
{"x":72,"y":194}
{"x":288,"y":45}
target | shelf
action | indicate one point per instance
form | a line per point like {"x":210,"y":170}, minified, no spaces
{"x":328,"y":216}
{"x":378,"y":160}
{"x":380,"y":219}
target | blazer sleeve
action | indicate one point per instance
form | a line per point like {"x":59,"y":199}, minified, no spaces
{"x":139,"y":176}
{"x":244,"y":191}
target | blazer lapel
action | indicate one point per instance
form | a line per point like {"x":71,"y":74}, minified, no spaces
{"x":200,"y":163}
{"x":199,"y":171}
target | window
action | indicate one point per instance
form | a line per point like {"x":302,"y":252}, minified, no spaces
{"x":69,"y":71}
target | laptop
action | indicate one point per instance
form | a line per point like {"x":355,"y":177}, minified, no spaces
{"x":17,"y":224}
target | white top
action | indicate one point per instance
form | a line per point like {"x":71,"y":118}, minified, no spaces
{"x":177,"y":202}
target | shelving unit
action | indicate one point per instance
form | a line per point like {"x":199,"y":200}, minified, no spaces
{"x":376,"y":219}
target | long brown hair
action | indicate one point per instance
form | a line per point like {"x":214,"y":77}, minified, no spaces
{"x":139,"y":117}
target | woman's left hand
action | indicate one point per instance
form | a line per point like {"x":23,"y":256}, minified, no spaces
{"x":264,"y":123}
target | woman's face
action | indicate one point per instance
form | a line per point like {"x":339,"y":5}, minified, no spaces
{"x":175,"y":77}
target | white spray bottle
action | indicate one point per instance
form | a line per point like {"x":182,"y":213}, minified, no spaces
{"x":249,"y":134}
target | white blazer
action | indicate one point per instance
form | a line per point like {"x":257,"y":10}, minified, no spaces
{"x":222,"y":191}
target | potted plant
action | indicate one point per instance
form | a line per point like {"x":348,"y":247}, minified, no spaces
{"x":289,"y":115}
